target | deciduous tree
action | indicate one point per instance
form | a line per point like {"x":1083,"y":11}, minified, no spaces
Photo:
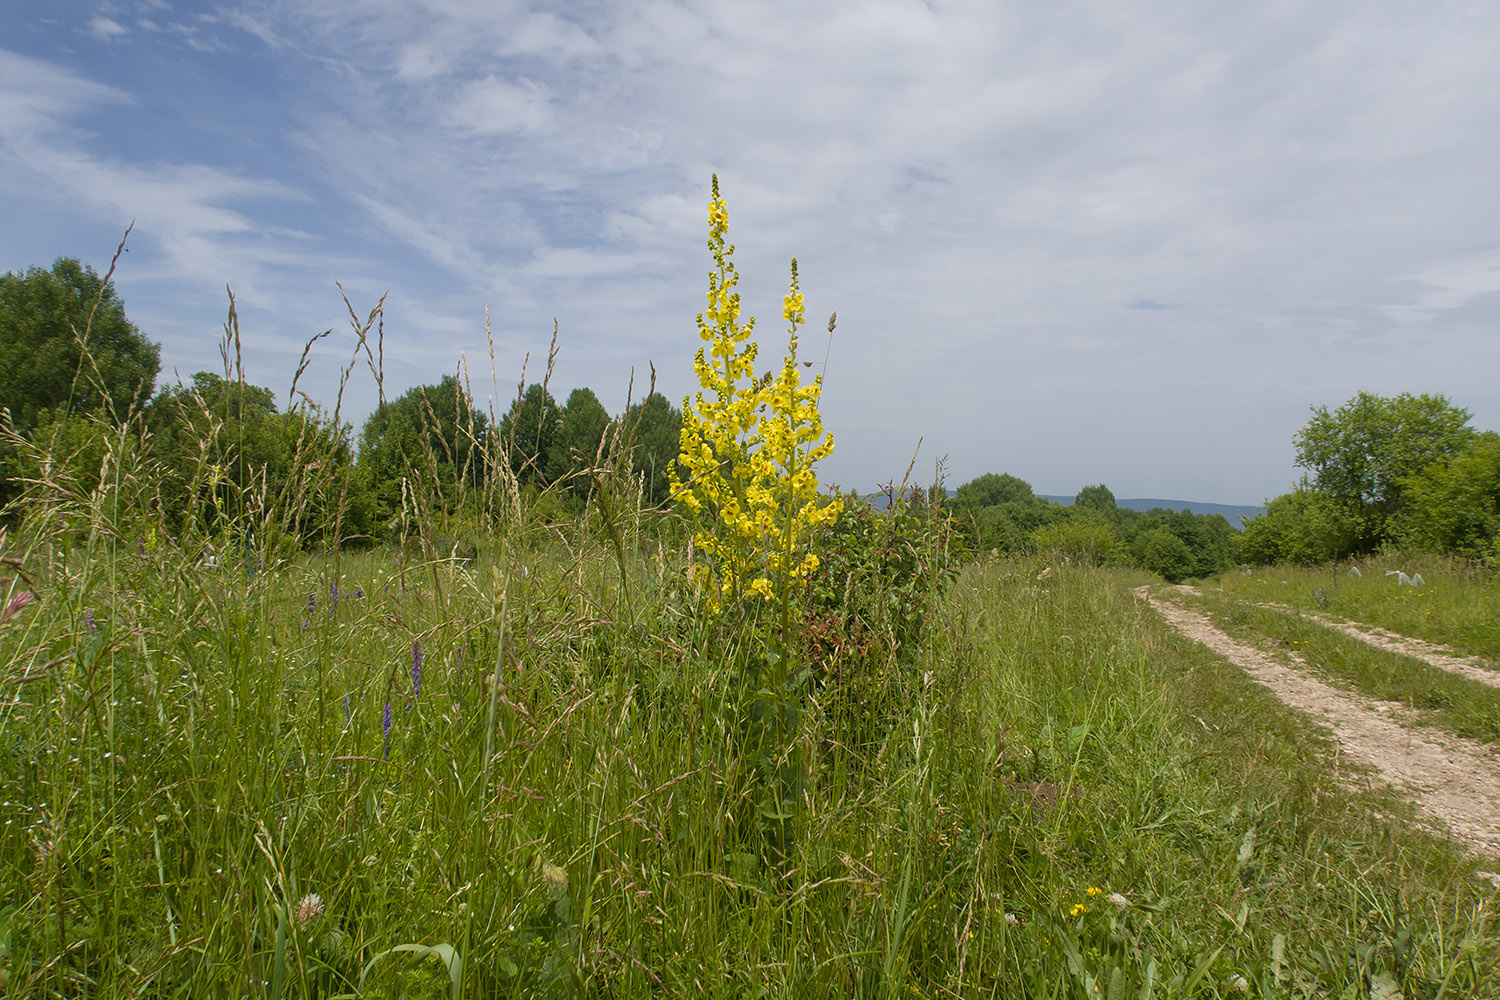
{"x":67,"y":349}
{"x":1361,"y":454}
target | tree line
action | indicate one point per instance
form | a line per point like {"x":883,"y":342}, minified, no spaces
{"x":1379,"y":472}
{"x":72,"y":366}
{"x":1406,"y":471}
{"x":1000,"y":513}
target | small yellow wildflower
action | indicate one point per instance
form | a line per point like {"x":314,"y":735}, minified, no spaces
{"x":1094,"y":890}
{"x":1078,"y":909}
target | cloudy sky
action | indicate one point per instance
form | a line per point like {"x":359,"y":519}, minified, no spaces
{"x":1127,"y":243}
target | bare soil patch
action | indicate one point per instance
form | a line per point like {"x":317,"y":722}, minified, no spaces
{"x":1456,"y":781}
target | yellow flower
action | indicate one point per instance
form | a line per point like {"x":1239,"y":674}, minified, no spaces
{"x":1094,"y":890}
{"x":792,"y":308}
{"x":1078,"y":908}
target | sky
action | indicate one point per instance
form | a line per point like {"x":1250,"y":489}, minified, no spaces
{"x":1128,"y":243}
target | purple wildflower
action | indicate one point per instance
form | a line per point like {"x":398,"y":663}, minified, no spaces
{"x":416,"y":669}
{"x":88,"y":621}
{"x":347,"y":711}
{"x":458,"y":661}
{"x":312,"y":603}
{"x":385,"y":727}
{"x":358,"y":593}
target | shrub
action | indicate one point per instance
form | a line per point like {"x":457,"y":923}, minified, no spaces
{"x":867,"y":610}
{"x":1160,"y":551}
{"x":1082,"y":540}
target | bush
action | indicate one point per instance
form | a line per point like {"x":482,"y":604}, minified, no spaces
{"x":1454,"y":505}
{"x":1162,"y":552}
{"x":1304,"y":526}
{"x":867,"y":604}
{"x":1082,"y":540}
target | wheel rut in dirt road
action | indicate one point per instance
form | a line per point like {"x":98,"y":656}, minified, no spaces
{"x":1454,"y":780}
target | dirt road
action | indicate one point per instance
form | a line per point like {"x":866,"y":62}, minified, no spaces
{"x":1456,"y":781}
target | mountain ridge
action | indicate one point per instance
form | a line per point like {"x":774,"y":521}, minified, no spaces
{"x":1235,"y":514}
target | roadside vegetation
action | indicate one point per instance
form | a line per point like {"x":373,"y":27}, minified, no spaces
{"x":492,"y":705}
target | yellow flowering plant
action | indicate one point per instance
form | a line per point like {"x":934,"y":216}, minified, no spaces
{"x":748,"y":449}
{"x":749,"y":445}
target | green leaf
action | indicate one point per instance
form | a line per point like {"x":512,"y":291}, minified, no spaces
{"x":442,"y":952}
{"x":1384,"y":987}
{"x":1247,"y":849}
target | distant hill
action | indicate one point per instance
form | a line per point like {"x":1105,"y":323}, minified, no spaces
{"x":1233,"y":513}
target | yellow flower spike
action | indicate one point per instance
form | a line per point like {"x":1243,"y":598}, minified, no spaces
{"x":749,"y":444}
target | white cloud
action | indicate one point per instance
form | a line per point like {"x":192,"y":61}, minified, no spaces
{"x":493,"y":105}
{"x":36,"y":95}
{"x":573,"y":262}
{"x":107,"y":29}
{"x":420,"y":61}
{"x":201,"y":220}
{"x":447,"y":248}
{"x":1456,"y":282}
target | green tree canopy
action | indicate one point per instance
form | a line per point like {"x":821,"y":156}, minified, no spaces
{"x":1097,"y":498}
{"x":529,"y":434}
{"x":218,"y":442}
{"x":1211,"y":543}
{"x":991,"y":489}
{"x":430,"y":429}
{"x":1161,"y":551}
{"x":45,"y":374}
{"x":580,"y":429}
{"x":655,"y":429}
{"x":1361,"y":454}
{"x":1453,"y":505}
{"x":1303,"y":526}
{"x":44,"y":318}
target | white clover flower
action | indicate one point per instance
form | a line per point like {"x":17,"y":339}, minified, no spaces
{"x":1240,"y":984}
{"x":309,"y":909}
{"x":1011,"y":918}
{"x":1120,"y":901}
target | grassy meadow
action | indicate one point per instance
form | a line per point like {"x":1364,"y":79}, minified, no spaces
{"x":525,"y":774}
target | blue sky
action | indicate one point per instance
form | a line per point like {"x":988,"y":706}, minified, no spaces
{"x":1126,"y":243}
